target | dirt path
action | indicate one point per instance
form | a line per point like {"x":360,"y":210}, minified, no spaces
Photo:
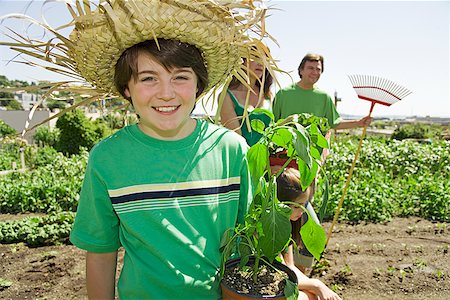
{"x":403,"y":259}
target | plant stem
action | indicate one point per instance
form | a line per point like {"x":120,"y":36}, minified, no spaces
{"x":256,"y":268}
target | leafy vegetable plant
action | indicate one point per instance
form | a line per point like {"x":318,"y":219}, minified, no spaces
{"x":266,"y":231}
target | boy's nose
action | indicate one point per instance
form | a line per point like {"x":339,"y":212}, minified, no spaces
{"x":166,"y":91}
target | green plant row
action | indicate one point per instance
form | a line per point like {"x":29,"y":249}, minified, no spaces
{"x":52,"y":229}
{"x":418,"y":131}
{"x":391,"y":178}
{"x":53,"y":186}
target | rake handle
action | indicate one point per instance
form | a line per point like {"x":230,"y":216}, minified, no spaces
{"x":350,"y":173}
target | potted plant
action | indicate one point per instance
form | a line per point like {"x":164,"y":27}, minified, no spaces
{"x":266,"y":231}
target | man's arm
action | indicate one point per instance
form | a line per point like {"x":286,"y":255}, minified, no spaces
{"x":348,"y":124}
{"x":101,"y":275}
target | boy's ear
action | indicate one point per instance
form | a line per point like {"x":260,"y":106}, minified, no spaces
{"x":127,"y":93}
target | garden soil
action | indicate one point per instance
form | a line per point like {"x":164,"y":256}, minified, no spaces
{"x":402,"y":259}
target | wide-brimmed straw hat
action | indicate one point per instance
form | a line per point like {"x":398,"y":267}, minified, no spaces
{"x":117,"y":25}
{"x":224,"y":31}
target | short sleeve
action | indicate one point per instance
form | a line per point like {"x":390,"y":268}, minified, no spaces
{"x":96,"y":226}
{"x":332,"y":114}
{"x":245,"y":194}
{"x":276,"y":107}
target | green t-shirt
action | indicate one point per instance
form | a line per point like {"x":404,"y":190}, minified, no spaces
{"x":252,"y":137}
{"x":295,"y":100}
{"x":167,"y":203}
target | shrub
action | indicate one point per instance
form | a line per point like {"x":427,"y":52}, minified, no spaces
{"x":36,"y":157}
{"x":101,"y":128}
{"x":44,"y":136}
{"x":6,"y":130}
{"x":10,"y":151}
{"x":76,"y":131}
{"x":416,"y":131}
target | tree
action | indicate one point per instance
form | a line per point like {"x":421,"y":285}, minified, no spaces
{"x":4,"y":81}
{"x":5,"y":129}
{"x":5,"y":97}
{"x":55,"y":104}
{"x":19,"y":83}
{"x":76,"y":131}
{"x":416,"y":131}
{"x":14,"y":105}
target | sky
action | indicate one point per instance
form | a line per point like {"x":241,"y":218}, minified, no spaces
{"x":407,"y":42}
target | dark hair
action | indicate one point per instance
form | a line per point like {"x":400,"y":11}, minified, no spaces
{"x":169,"y":53}
{"x":310,"y":57}
{"x":268,"y":80}
{"x":288,"y":189}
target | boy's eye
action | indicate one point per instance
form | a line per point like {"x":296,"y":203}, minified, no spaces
{"x":183,"y":76}
{"x":147,"y":78}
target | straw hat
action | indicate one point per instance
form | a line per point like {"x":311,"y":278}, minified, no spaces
{"x":225,"y":31}
{"x":220,"y":29}
{"x":118,"y":25}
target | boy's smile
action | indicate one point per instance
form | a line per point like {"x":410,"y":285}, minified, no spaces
{"x":164,"y":99}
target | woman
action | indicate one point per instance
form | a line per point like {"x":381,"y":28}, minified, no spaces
{"x":239,"y":96}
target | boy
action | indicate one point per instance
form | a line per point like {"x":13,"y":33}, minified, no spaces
{"x":167,"y":188}
{"x":164,"y":189}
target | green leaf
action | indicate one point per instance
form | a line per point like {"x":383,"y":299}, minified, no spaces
{"x":277,"y":228}
{"x":282,"y":137}
{"x":5,"y":283}
{"x":325,"y":197}
{"x":291,"y":290}
{"x":301,"y":145}
{"x":307,"y":175}
{"x":226,"y":238}
{"x":245,"y":250}
{"x":267,"y":112}
{"x":313,"y":237}
{"x":258,"y":126}
{"x":322,"y":141}
{"x":315,"y":154}
{"x":257,"y":157}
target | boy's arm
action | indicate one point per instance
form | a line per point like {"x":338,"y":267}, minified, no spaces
{"x":101,"y":275}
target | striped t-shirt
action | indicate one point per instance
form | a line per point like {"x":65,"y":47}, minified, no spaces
{"x":168,"y":204}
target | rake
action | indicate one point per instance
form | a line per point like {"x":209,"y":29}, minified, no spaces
{"x":378,"y":91}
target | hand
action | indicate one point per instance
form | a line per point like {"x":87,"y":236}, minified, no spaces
{"x":363,"y":122}
{"x":324,"y":292}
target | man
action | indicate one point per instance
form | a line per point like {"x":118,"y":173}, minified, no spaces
{"x":304,"y":97}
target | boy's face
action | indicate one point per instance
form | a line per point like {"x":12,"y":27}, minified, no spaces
{"x":311,"y":71}
{"x":163,"y":99}
{"x":301,"y":199}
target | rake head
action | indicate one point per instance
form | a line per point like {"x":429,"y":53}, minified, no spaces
{"x":377,"y":89}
